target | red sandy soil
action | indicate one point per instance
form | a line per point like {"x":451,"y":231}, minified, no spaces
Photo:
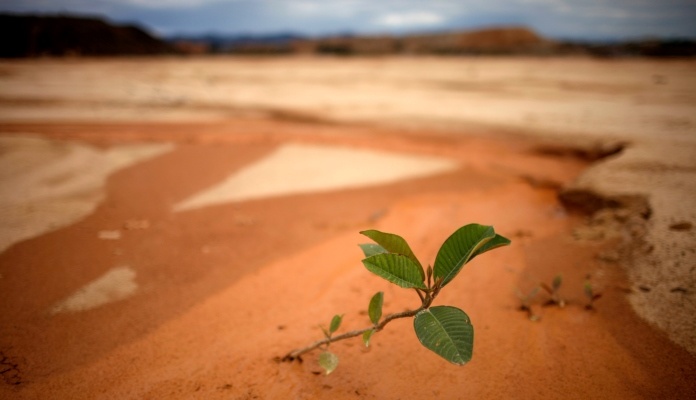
{"x":225,"y":290}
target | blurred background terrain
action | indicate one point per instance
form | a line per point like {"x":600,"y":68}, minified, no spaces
{"x":62,"y":35}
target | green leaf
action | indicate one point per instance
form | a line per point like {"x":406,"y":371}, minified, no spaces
{"x":335,"y":323}
{"x":557,"y":281}
{"x":588,"y":289}
{"x":367,"y":335}
{"x":371,"y":249}
{"x":374,"y":310}
{"x":447,"y":331}
{"x":394,"y":244}
{"x":396,"y":269}
{"x":458,"y":249}
{"x":497,"y":241}
{"x":328,"y":361}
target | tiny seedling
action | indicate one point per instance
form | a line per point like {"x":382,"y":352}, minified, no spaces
{"x":445,"y":330}
{"x":553,"y":291}
{"x":526,"y":303}
{"x":591,"y":295}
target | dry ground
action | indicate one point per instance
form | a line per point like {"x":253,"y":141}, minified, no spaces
{"x":112,"y":289}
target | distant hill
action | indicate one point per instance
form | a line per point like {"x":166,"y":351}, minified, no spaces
{"x":33,"y":36}
{"x":503,"y":40}
{"x":657,"y":48}
{"x":220,"y":43}
{"x":62,"y":35}
{"x":508,"y":40}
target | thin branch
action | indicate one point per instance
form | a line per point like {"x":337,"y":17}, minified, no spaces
{"x":426,"y":297}
{"x":420,"y":295}
{"x":298,"y":352}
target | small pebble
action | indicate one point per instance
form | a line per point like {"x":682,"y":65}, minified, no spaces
{"x":109,"y":235}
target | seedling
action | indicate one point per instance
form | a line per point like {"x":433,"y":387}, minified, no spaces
{"x":553,"y":291}
{"x":526,"y":303}
{"x":591,"y":296}
{"x":445,"y":330}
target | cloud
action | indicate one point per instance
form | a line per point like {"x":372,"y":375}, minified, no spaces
{"x":409,"y":19}
{"x":552,"y":18}
{"x":322,"y":9}
{"x":167,"y":4}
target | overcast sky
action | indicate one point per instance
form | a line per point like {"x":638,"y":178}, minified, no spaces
{"x":591,"y":19}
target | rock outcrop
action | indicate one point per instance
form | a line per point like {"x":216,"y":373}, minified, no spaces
{"x":36,"y":36}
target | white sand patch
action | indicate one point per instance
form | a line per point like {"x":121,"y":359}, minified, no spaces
{"x":46,"y":185}
{"x":117,"y":284}
{"x":302,"y":168}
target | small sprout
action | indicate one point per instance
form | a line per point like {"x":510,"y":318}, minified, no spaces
{"x":588,"y":289}
{"x":557,"y":281}
{"x":445,"y":330}
{"x":526,"y":303}
{"x":591,"y":296}
{"x":553,"y":291}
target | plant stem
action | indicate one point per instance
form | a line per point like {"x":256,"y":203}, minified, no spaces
{"x":420,"y":295}
{"x":427,"y":298}
{"x":405,"y":314}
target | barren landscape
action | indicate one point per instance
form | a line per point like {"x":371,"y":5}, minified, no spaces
{"x":171,"y":227}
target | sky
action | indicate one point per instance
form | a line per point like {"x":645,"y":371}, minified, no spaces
{"x":559,"y":19}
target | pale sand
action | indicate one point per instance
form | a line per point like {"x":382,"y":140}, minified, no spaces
{"x":116,"y":284}
{"x":558,"y":96}
{"x":46,"y":185}
{"x":658,"y":178}
{"x":302,"y":168}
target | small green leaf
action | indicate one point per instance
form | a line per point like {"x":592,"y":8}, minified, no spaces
{"x":367,"y":335}
{"x":447,"y":331}
{"x":557,"y":281}
{"x":458,"y":249}
{"x":394,"y":244}
{"x":375,"y":308}
{"x":588,"y":289}
{"x":396,"y":269}
{"x":328,"y":361}
{"x":371,"y":249}
{"x":335,"y":323}
{"x":533,"y":292}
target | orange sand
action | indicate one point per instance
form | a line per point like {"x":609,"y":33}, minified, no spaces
{"x":223,"y":290}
